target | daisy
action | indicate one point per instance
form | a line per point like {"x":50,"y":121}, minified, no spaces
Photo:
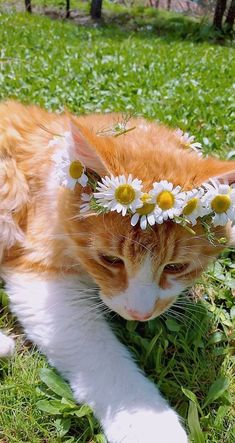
{"x":119,"y":193}
{"x":169,"y":200}
{"x":188,"y":141}
{"x":194,"y":207}
{"x":68,"y":171}
{"x":145,"y":214}
{"x":220,"y":199}
{"x":77,"y":173}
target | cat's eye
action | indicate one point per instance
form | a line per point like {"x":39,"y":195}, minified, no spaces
{"x":111,"y":260}
{"x":175,"y":268}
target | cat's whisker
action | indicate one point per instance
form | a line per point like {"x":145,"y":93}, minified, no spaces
{"x":101,"y":311}
{"x":187,"y":297}
{"x":193,"y":304}
{"x":185,"y":318}
{"x":92,"y":290}
{"x":183,"y":309}
{"x":190,"y":309}
{"x":186,"y":302}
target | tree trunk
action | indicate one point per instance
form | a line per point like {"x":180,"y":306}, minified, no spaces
{"x":230,"y":16}
{"x":96,"y":7}
{"x":28,"y":6}
{"x":168,"y":5}
{"x":67,"y":8}
{"x":219,"y":13}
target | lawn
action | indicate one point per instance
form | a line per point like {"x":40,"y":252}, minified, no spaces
{"x":189,"y":352}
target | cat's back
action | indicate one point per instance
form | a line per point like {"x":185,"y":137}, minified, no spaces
{"x":25,"y":132}
{"x":26,"y":129}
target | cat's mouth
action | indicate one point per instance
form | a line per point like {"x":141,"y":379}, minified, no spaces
{"x":131,"y":314}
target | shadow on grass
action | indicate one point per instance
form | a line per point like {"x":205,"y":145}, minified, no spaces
{"x":150,"y":25}
{"x":144,"y":22}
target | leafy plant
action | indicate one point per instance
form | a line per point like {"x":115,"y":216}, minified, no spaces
{"x":58,"y":402}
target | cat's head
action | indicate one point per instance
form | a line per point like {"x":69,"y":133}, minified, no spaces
{"x":139,"y":272}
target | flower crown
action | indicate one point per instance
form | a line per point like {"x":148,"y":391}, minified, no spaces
{"x":213,"y":202}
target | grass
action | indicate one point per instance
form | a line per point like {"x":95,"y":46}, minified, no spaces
{"x":137,"y":16}
{"x":183,"y":84}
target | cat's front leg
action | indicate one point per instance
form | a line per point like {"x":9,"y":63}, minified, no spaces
{"x":7,"y":345}
{"x":58,"y":316}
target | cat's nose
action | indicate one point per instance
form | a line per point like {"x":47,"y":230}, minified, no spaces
{"x":136,"y":315}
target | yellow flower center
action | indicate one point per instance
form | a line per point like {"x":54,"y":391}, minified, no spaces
{"x":76,"y":169}
{"x":125,"y":194}
{"x":191,"y":206}
{"x":221,"y":203}
{"x":145,"y":197}
{"x":165,"y":200}
{"x":147,"y":207}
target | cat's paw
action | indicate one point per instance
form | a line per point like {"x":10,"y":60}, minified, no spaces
{"x":7,"y":345}
{"x":146,"y":426}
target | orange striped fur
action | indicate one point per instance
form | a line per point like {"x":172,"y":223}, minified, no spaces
{"x":53,"y":239}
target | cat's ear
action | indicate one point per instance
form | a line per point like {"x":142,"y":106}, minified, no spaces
{"x":227,"y":177}
{"x":211,"y":168}
{"x":83,"y":151}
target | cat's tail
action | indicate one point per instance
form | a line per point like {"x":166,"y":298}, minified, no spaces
{"x":14,"y":196}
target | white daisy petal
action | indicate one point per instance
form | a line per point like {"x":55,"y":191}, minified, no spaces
{"x":69,"y":183}
{"x":220,"y":219}
{"x":170,"y":213}
{"x":136,"y":182}
{"x":124,"y":211}
{"x":223,"y":189}
{"x":84,"y":208}
{"x":86,"y":197}
{"x":176,"y":190}
{"x":135,"y":219}
{"x":83,"y":180}
{"x":178,"y":132}
{"x":190,"y":138}
{"x":151,"y":219}
{"x":158,"y":217}
{"x":117,"y":207}
{"x":143,"y":222}
{"x":231,"y":213}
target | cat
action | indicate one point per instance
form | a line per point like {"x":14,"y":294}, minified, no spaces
{"x":55,"y":260}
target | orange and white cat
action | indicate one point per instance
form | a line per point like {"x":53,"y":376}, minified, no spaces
{"x":55,"y":262}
